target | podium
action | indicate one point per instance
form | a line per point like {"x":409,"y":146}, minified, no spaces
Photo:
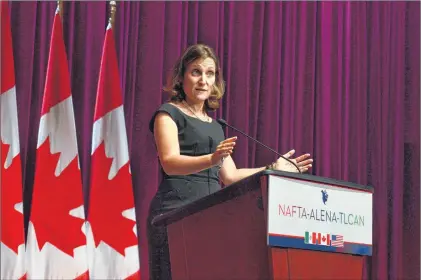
{"x":273,"y":225}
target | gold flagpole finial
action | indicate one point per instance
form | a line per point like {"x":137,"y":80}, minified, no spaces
{"x":60,"y":8}
{"x":113,"y":5}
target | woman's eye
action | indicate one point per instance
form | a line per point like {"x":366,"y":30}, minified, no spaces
{"x":211,"y":74}
{"x":196,"y":72}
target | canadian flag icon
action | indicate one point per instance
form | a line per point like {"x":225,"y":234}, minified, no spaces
{"x":317,"y":238}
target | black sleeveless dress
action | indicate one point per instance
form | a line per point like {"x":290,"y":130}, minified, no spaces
{"x":195,"y":138}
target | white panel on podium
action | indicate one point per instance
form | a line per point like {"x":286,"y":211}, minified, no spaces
{"x":319,"y":216}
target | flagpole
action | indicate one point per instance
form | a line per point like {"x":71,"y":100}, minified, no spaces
{"x":60,"y":8}
{"x":113,"y":5}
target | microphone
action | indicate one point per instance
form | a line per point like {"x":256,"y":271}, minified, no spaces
{"x":224,"y":123}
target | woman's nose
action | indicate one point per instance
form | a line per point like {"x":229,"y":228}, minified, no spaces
{"x":203,"y":79}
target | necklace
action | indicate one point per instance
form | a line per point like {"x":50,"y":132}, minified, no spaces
{"x":190,"y":109}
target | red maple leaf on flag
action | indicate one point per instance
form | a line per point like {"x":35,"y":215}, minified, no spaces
{"x":83,"y":276}
{"x":53,"y":198}
{"x":11,"y":194}
{"x":109,"y":198}
{"x":134,"y":276}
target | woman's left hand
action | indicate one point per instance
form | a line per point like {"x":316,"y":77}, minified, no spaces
{"x":303,"y":162}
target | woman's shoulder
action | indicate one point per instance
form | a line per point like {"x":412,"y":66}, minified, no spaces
{"x":171,"y":108}
{"x":168,"y":108}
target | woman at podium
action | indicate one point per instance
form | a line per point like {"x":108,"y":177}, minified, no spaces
{"x":193,"y":152}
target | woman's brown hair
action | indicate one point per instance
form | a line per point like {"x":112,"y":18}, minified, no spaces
{"x":175,"y":81}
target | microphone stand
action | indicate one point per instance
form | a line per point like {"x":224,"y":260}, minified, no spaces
{"x":224,"y":123}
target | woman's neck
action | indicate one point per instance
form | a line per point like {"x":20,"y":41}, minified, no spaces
{"x":198,"y":108}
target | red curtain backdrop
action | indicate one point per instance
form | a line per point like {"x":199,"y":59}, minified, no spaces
{"x":337,"y":79}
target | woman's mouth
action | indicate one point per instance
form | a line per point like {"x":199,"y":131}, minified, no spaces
{"x":201,"y":89}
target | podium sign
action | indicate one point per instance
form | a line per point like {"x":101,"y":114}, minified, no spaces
{"x":318,"y":216}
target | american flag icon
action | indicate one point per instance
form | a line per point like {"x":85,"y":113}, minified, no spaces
{"x":337,"y":241}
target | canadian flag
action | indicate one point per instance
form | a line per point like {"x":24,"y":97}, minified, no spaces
{"x":111,"y":231}
{"x":56,"y":245}
{"x":12,"y":232}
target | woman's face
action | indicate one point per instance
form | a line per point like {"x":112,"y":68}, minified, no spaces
{"x":199,"y":79}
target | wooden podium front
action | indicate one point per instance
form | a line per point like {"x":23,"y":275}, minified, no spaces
{"x":225,"y":236}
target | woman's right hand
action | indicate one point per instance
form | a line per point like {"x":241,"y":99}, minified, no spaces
{"x":224,"y":149}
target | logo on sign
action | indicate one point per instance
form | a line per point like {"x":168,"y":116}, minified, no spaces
{"x":324,"y":196}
